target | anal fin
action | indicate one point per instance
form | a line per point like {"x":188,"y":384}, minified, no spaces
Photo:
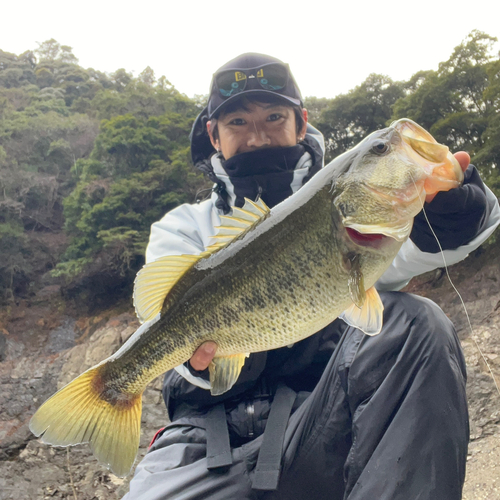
{"x":224,"y":372}
{"x":369,"y":317}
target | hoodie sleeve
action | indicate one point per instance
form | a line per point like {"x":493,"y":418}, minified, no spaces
{"x":462,"y":219}
{"x":185,"y":230}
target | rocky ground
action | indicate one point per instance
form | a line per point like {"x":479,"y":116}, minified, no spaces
{"x":43,"y":346}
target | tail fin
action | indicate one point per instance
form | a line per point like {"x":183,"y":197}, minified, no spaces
{"x":81,"y":412}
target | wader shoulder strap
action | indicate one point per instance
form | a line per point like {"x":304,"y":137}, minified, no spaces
{"x":267,"y":470}
{"x":218,"y":448}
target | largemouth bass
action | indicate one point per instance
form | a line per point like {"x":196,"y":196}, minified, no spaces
{"x":270,"y":278}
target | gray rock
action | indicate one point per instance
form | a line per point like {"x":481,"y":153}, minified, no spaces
{"x":61,"y":338}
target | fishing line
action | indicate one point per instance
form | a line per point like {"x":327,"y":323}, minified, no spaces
{"x":455,"y":288}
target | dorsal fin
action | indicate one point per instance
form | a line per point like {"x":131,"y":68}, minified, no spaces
{"x":237,"y":224}
{"x":155,"y":280}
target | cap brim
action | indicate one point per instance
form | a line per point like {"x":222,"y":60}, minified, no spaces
{"x":231,"y":99}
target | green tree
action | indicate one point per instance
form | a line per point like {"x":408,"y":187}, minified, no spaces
{"x":15,"y":265}
{"x":488,"y":157}
{"x":16,"y":71}
{"x":40,"y":145}
{"x":141,"y":100}
{"x":52,"y":50}
{"x":139,"y":167}
{"x":103,"y":156}
{"x":138,"y":170}
{"x":128,"y":144}
{"x":48,"y":50}
{"x":147,"y":76}
{"x":66,"y":55}
{"x":456,"y":103}
{"x":350,"y":117}
{"x":121,"y":79}
{"x":315,"y":106}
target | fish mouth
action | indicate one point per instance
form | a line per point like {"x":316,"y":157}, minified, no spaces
{"x":366,"y":239}
{"x":376,"y":235}
{"x":404,"y":202}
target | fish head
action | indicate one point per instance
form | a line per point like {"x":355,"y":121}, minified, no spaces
{"x":382,"y":183}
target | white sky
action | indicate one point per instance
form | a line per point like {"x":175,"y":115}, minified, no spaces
{"x":331,"y":46}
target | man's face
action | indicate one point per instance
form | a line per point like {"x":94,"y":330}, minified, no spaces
{"x":257,"y":126}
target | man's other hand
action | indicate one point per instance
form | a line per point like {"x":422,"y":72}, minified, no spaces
{"x":463,"y":159}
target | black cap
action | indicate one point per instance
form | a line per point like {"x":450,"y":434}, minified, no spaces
{"x":245,"y":62}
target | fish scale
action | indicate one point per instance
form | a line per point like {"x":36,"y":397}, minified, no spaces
{"x":248,"y":287}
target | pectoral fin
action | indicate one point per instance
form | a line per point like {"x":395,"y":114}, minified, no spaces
{"x":356,"y":282}
{"x":224,"y":372}
{"x":369,"y":317}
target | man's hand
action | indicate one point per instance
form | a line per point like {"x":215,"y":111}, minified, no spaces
{"x":463,"y":159}
{"x":203,"y":356}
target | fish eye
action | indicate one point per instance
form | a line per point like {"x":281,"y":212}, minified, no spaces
{"x":380,"y":147}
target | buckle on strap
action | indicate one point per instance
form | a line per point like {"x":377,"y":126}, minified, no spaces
{"x":218,"y":447}
{"x":267,"y":470}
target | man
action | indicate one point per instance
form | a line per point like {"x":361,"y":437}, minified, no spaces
{"x":339,"y":415}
